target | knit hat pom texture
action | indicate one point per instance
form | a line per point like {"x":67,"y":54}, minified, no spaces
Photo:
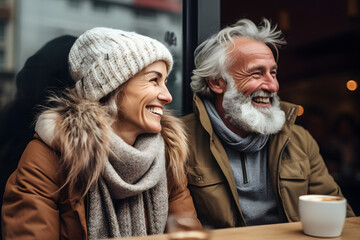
{"x":102,"y":59}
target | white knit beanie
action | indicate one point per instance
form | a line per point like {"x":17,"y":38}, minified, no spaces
{"x":102,"y":59}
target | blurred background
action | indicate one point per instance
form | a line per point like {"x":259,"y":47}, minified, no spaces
{"x":26,"y":25}
{"x":319,"y":69}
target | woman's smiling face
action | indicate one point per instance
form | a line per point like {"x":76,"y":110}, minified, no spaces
{"x":141,"y":102}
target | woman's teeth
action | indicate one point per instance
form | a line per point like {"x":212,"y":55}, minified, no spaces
{"x":156,"y":110}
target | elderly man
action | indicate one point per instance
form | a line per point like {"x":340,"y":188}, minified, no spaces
{"x":249,"y":162}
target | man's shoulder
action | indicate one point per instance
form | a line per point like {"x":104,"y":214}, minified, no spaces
{"x":296,"y":132}
{"x":190,"y":119}
{"x":194,"y":127}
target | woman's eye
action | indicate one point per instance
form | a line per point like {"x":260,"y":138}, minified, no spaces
{"x":155,"y":80}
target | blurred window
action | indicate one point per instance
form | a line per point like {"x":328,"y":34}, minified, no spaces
{"x":2,"y":59}
{"x":2,"y":30}
{"x":38,"y":21}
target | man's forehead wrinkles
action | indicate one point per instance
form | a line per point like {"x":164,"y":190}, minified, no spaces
{"x":260,"y":66}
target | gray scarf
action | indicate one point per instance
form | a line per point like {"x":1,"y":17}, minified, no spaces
{"x":132,"y":184}
{"x":250,"y":144}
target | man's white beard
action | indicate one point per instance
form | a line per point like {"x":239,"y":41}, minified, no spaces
{"x":242,"y":114}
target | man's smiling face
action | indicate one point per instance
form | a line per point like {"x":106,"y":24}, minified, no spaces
{"x":250,"y":102}
{"x":253,"y":69}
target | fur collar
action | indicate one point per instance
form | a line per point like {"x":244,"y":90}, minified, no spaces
{"x":80,"y":129}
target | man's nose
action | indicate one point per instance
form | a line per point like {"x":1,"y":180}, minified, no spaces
{"x":165,"y":95}
{"x":270,"y":83}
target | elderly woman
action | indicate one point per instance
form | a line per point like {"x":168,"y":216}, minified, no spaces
{"x":106,"y":161}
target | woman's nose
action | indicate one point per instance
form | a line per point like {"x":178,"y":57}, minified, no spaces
{"x":165,"y":95}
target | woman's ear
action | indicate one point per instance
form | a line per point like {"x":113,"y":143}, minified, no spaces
{"x":218,"y":86}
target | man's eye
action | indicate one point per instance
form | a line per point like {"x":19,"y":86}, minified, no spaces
{"x":256,"y":74}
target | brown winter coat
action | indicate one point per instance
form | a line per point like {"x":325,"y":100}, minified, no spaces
{"x":36,"y":207}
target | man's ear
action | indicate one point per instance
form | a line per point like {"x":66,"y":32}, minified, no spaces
{"x":218,"y":86}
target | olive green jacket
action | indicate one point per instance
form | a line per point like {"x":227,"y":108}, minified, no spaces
{"x":295,"y":164}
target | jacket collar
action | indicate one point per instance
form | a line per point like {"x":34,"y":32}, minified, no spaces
{"x":290,"y":110}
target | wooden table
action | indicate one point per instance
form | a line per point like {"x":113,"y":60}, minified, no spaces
{"x":286,"y":231}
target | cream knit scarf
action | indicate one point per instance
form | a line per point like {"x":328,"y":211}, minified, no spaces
{"x":133,"y":184}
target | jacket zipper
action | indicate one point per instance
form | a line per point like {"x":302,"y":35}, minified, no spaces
{"x":277,"y":180}
{"x":242,"y":158}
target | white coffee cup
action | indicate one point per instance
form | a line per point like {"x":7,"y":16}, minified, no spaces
{"x":322,"y":215}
